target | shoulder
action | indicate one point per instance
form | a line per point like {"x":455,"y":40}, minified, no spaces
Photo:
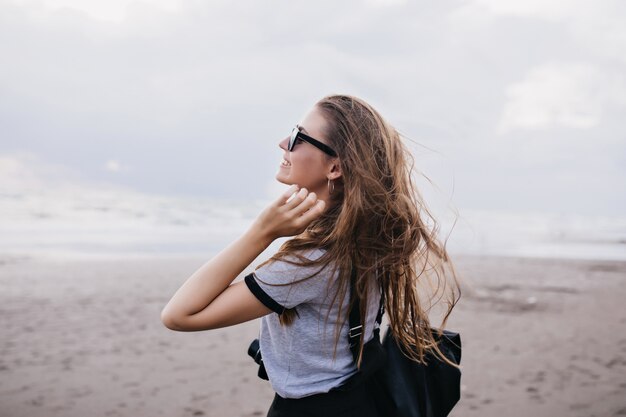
{"x":295,"y":267}
{"x":294,"y":261}
{"x":287,"y":282}
{"x":310,"y":254}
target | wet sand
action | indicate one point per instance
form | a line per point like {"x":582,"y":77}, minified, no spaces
{"x":83,"y":338}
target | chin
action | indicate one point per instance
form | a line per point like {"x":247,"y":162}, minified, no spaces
{"x":280,"y":179}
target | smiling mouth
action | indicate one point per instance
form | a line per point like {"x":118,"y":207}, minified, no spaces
{"x":285,"y":163}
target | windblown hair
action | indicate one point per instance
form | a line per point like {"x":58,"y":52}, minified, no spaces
{"x":378,"y":222}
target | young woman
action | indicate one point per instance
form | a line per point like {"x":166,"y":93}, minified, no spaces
{"x":351,"y":204}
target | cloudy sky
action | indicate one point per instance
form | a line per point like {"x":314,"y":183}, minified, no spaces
{"x":513,"y":104}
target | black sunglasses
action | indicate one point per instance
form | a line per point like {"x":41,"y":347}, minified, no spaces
{"x":297,"y":134}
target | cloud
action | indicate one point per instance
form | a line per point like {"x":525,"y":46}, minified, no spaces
{"x":550,"y":9}
{"x":570,"y":95}
{"x":114,"y":11}
{"x":386,"y":3}
{"x":15,"y":174}
{"x":597,"y":25}
{"x":28,"y":172}
{"x":115,"y":166}
{"x":194,"y":96}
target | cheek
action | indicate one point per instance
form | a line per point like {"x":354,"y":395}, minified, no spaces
{"x":306,"y":163}
{"x":300,"y":162}
{"x":311,"y":165}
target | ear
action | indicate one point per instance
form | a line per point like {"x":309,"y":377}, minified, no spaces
{"x":335,"y":169}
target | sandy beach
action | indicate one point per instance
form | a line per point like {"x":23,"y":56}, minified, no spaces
{"x":541,"y":337}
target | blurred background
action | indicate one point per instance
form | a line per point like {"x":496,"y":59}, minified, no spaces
{"x":134,"y":130}
{"x":132,"y":127}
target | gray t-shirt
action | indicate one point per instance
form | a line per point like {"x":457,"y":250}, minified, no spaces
{"x":298,"y":358}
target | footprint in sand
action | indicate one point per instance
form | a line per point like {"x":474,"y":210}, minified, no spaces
{"x":194,"y":411}
{"x":579,"y":406}
{"x":534,"y":394}
{"x":540,"y":376}
{"x":37,"y":401}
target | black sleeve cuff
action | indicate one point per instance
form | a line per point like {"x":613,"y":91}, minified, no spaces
{"x":262,"y":295}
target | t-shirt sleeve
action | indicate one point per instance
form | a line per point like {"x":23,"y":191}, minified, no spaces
{"x":280,"y":297}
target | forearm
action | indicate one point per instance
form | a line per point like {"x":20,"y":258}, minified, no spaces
{"x":217,"y":274}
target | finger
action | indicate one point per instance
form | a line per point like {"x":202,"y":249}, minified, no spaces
{"x":313,"y":210}
{"x":287,"y":195}
{"x":297,"y":199}
{"x":306,"y":204}
{"x":313,"y":213}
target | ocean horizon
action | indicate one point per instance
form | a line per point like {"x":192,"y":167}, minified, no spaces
{"x":72,"y":221}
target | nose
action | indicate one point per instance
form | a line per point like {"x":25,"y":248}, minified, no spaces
{"x":283,"y":144}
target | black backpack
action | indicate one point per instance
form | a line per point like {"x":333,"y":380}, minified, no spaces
{"x":402,"y":387}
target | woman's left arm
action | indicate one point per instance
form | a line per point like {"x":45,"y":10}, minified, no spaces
{"x":207,"y":300}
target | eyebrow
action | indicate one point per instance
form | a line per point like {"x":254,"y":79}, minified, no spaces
{"x":302,"y":129}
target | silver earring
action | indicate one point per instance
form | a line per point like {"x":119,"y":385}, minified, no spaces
{"x":330,"y":190}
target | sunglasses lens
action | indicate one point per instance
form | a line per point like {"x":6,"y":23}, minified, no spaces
{"x":292,"y":139}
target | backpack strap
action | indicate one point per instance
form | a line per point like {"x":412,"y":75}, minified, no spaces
{"x":356,"y":325}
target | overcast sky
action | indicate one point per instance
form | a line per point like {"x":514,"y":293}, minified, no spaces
{"x":523,"y":101}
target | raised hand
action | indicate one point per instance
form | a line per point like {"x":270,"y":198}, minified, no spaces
{"x":290,"y":216}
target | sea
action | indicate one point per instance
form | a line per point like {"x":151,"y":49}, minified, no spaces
{"x":72,"y":221}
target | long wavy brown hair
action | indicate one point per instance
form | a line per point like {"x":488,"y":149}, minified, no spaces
{"x":377,"y":222}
